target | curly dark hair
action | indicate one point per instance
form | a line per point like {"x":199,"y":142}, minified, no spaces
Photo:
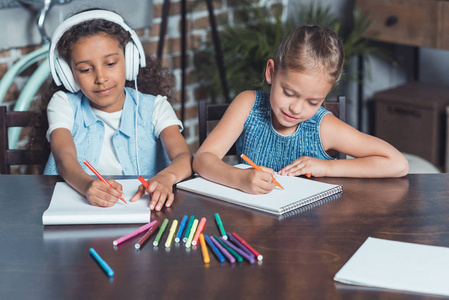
{"x":153,"y":79}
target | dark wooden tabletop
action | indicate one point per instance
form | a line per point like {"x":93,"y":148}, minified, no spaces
{"x":302,"y":251}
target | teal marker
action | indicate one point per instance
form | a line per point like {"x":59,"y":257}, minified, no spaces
{"x":101,"y":262}
{"x":230,"y":250}
{"x":159,"y":234}
{"x":189,"y":226}
{"x":220,"y":226}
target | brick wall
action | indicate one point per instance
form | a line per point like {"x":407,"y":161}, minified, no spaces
{"x":198,"y":31}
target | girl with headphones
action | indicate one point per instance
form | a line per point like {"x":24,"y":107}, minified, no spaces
{"x":97,"y":116}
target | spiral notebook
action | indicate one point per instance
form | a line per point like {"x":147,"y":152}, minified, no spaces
{"x":297,"y":192}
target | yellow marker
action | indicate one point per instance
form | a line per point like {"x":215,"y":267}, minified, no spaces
{"x":171,"y":233}
{"x":206,"y":257}
{"x":192,"y":233}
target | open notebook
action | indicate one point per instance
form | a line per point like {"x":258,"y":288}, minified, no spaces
{"x":297,"y":193}
{"x":67,"y":206}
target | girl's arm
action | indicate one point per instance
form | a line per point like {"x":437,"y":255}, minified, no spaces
{"x":373,"y":156}
{"x":208,"y":159}
{"x":96,"y":191}
{"x":161,"y":185}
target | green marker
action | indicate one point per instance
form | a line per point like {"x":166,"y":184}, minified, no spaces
{"x":189,"y":226}
{"x":230,"y":250}
{"x":161,"y":231}
{"x":220,"y":226}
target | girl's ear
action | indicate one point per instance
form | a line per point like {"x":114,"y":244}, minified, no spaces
{"x":269,"y":71}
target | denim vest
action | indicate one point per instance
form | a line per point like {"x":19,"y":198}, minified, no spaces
{"x":266,"y":147}
{"x":88,"y":132}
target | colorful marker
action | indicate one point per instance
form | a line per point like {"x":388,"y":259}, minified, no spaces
{"x":181,"y":229}
{"x":134,"y":233}
{"x":249,"y":258}
{"x":101,"y":262}
{"x":220,"y":226}
{"x":215,"y":249}
{"x":223,"y":250}
{"x":229,"y":249}
{"x":257,"y":254}
{"x":171,"y":233}
{"x":100,"y":177}
{"x":159,"y":234}
{"x":192,"y":233}
{"x":199,"y":230}
{"x":144,"y":182}
{"x":189,"y":226}
{"x":206,"y":257}
{"x":240,"y":245}
{"x":147,"y":235}
{"x":245,"y":158}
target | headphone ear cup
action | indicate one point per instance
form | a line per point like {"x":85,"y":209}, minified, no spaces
{"x":65,"y":75}
{"x":132,"y":61}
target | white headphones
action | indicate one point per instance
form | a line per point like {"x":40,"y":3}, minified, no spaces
{"x":61,"y":71}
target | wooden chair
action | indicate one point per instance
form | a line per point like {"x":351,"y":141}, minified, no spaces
{"x":10,"y":157}
{"x":213,"y":112}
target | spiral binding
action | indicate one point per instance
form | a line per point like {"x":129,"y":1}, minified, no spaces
{"x":311,"y":199}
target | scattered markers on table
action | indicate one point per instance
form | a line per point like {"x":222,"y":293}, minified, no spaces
{"x":228,"y":246}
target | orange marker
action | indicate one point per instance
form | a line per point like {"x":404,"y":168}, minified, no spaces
{"x":309,"y":175}
{"x":143,"y":181}
{"x":99,"y":176}
{"x":245,"y":158}
{"x":199,"y":230}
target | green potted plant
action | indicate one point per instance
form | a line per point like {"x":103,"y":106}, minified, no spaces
{"x":254,"y":36}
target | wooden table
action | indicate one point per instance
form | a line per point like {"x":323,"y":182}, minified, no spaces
{"x":302,"y":252}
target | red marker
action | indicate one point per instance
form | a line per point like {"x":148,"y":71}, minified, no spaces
{"x":144,"y":183}
{"x":99,"y":176}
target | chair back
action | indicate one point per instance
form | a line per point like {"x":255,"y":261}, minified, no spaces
{"x":213,"y":112}
{"x":10,"y":157}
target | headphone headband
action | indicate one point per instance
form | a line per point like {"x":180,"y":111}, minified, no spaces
{"x":86,"y":16}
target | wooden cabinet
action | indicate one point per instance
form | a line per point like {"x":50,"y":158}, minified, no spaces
{"x":412,"y":117}
{"x":422,"y":23}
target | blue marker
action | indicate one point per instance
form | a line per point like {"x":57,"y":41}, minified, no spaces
{"x":101,"y":262}
{"x":181,"y":229}
{"x":189,"y":226}
{"x":215,"y":249}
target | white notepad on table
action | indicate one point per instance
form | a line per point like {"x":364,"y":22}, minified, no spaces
{"x":297,"y":192}
{"x":398,"y":266}
{"x":67,"y":206}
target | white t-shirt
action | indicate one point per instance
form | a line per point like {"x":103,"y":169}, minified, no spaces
{"x":60,"y":115}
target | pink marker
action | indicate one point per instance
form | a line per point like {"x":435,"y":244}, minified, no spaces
{"x":199,"y":230}
{"x":134,"y":233}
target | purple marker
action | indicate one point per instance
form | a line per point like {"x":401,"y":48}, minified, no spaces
{"x":240,"y":245}
{"x":250,"y":259}
{"x":223,"y":250}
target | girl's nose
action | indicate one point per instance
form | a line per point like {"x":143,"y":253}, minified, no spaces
{"x":100,"y":77}
{"x":296,"y":107}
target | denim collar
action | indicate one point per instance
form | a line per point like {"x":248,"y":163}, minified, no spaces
{"x":127,"y":119}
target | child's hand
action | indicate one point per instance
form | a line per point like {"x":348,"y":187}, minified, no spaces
{"x":305,"y":165}
{"x":99,"y":193}
{"x":257,"y":182}
{"x":160,"y":191}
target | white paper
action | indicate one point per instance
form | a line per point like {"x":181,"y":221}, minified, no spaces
{"x":399,"y":266}
{"x":297,"y":192}
{"x":67,"y":206}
